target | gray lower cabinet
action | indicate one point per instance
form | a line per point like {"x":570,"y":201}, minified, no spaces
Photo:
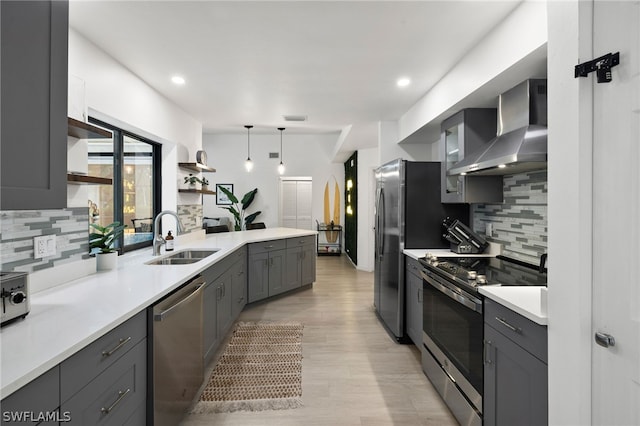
{"x":116,"y":396}
{"x":238,"y":286}
{"x":515,"y":369}
{"x":266,"y":269}
{"x":103,"y":384}
{"x":224,"y":297}
{"x":300,"y":262}
{"x":33,"y":108}
{"x":40,"y":397}
{"x":413,"y":301}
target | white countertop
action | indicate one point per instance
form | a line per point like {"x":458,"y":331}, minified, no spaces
{"x":66,"y":318}
{"x":526,"y":300}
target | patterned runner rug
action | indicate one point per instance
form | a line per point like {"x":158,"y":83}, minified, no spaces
{"x":261,"y":369}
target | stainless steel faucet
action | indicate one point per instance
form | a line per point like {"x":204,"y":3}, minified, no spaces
{"x":158,"y":240}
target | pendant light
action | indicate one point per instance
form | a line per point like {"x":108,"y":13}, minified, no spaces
{"x":281,"y":165}
{"x":248,"y":164}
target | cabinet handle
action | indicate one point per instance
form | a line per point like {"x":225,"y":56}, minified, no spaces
{"x":121,"y":394}
{"x":271,"y":261}
{"x":458,"y":184}
{"x":419,"y":295}
{"x":268,"y":247}
{"x":485,"y":355}
{"x":121,"y":343}
{"x":509,"y":326}
{"x":224,"y":290}
{"x":266,"y":263}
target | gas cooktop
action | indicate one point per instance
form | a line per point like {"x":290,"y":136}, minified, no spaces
{"x":481,"y":271}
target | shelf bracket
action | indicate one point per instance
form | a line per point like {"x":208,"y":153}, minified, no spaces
{"x":601,"y":65}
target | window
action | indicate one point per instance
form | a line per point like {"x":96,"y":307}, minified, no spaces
{"x":133,"y":162}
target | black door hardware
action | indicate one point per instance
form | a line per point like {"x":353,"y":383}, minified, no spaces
{"x":601,"y":65}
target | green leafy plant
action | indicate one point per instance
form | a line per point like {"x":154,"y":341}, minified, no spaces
{"x":239,"y":213}
{"x":104,"y":237}
{"x":192,"y":180}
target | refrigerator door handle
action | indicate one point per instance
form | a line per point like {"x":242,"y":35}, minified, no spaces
{"x":382,"y":207}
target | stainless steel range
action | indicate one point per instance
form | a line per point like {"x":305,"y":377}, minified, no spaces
{"x":453,"y":324}
{"x":14,"y":293}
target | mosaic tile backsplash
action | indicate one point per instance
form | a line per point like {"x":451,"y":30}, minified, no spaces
{"x":190,"y":217}
{"x":520,"y":224}
{"x":17,"y":229}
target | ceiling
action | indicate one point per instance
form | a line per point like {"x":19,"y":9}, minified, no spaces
{"x":245,"y":62}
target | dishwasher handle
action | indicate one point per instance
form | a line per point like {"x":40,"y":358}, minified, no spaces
{"x":197,"y":283}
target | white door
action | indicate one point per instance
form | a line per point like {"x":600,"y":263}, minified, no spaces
{"x":296,"y":203}
{"x":616,"y":216}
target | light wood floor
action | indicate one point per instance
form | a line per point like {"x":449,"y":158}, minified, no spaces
{"x":353,"y":373}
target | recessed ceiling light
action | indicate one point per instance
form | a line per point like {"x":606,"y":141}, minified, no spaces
{"x":176,"y":79}
{"x":403,"y":82}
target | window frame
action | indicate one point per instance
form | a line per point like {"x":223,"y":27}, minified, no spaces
{"x":118,"y":187}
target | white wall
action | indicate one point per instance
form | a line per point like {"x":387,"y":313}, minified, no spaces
{"x":569,"y":198}
{"x":523,"y":32}
{"x":389,"y":149}
{"x":304,"y":155}
{"x":116,"y":95}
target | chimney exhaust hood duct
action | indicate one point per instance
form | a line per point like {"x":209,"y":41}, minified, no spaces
{"x":521,"y":142}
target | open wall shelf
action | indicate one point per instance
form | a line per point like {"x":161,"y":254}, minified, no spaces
{"x":197,"y":191}
{"x":196,"y":167}
{"x":81,"y":130}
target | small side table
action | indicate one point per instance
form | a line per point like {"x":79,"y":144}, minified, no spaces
{"x":329,"y":240}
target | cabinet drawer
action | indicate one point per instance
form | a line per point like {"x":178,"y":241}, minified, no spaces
{"x":412,"y":266}
{"x":301,"y":241}
{"x":527,"y":334}
{"x":79,"y":369}
{"x":41,"y":395}
{"x":114,"y":396}
{"x":267,"y":246}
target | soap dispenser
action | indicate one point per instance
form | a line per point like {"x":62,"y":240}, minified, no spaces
{"x":169,"y":242}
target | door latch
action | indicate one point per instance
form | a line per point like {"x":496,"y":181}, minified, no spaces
{"x":605,"y":340}
{"x":601,"y":65}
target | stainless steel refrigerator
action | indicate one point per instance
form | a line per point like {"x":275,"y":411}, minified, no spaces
{"x":409,"y":215}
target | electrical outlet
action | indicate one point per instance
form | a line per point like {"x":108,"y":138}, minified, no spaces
{"x":44,"y":246}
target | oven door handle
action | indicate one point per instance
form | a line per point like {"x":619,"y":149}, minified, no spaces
{"x":463,"y":300}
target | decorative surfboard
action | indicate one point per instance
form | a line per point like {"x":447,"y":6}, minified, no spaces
{"x":332,"y":236}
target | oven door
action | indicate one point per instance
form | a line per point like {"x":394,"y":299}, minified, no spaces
{"x":453,"y":333}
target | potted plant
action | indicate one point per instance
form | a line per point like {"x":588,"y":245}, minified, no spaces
{"x":238,"y":213}
{"x":192,"y":180}
{"x":205,"y":183}
{"x":102,"y":239}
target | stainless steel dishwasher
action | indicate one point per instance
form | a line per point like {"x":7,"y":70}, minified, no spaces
{"x":178,"y":366}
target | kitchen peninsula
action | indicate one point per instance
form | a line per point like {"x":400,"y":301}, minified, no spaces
{"x":65,"y":319}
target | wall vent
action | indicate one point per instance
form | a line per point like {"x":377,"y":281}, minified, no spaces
{"x":274,"y":155}
{"x":294,"y":117}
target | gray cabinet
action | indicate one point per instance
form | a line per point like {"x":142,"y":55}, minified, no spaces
{"x":33,"y":108}
{"x":266,"y":269}
{"x":105,"y":383}
{"x":223,"y":303}
{"x":224,"y":297}
{"x":117,"y":396}
{"x":239,"y":286}
{"x":300,"y":264}
{"x":465,"y":132}
{"x":413,"y":300}
{"x":41,"y":395}
{"x":515,"y":369}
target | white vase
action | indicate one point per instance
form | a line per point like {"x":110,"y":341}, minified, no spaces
{"x":106,"y":261}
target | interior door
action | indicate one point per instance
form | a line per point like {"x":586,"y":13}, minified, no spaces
{"x":616,"y":217}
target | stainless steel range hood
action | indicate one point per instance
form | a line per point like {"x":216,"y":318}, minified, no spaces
{"x":521,"y":142}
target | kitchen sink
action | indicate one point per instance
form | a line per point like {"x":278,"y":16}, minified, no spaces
{"x":183,"y":257}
